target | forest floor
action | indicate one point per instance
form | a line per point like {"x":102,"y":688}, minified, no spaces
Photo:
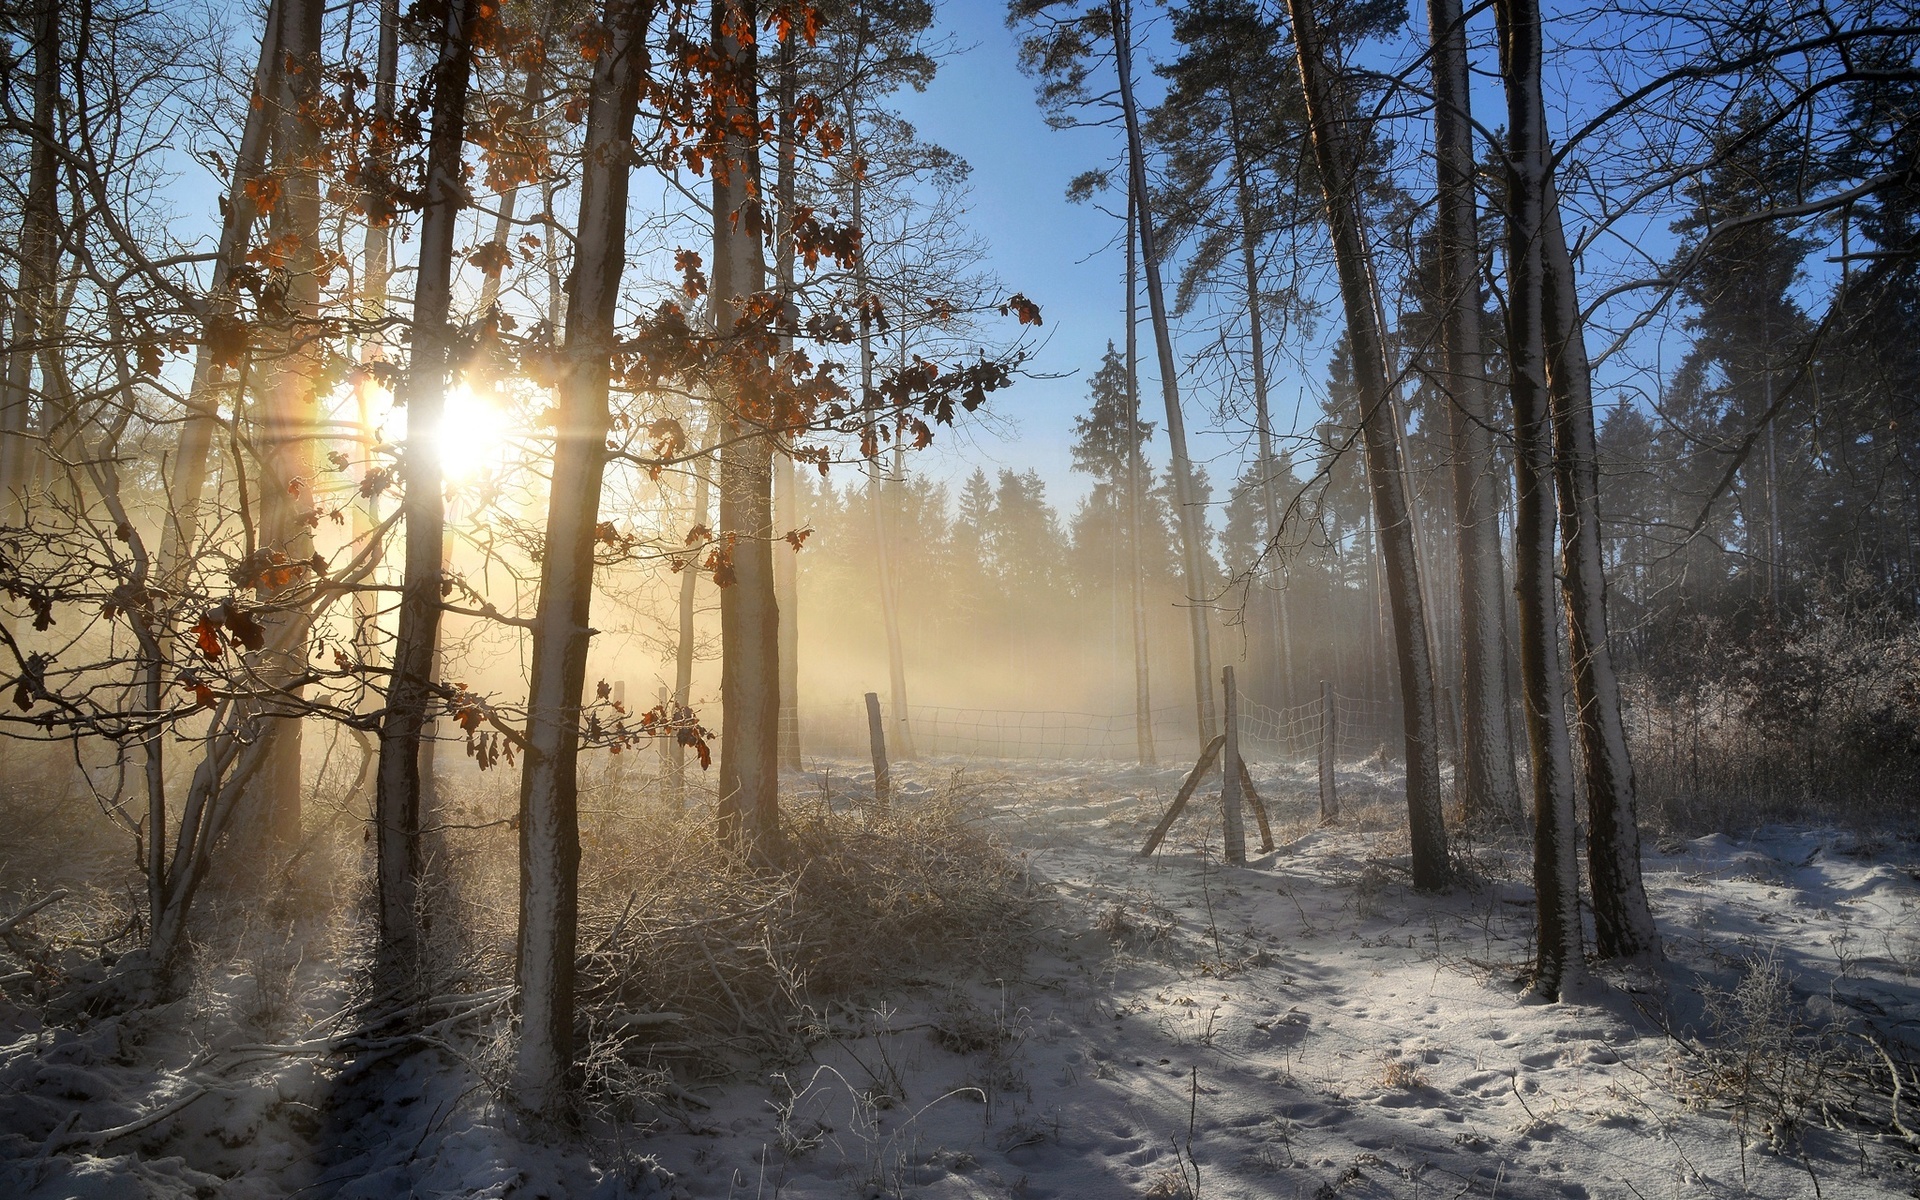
{"x":1304,"y":1026}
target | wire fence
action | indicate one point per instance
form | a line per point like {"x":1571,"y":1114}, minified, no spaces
{"x":1362,"y":728}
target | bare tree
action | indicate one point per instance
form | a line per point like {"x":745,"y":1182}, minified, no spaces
{"x":1488,"y":786}
{"x":1188,"y":511}
{"x":1623,"y":923}
{"x":549,"y":795}
{"x":429,"y":372}
{"x":1327,"y":115}
{"x":284,"y":412}
{"x":1556,"y":868}
{"x":749,"y":615}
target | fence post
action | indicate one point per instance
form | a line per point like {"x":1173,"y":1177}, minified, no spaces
{"x":1236,"y":834}
{"x":877,"y":736}
{"x":1329,"y":799}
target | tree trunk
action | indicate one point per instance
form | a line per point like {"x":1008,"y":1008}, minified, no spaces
{"x":284,"y":420}
{"x":1278,"y":626}
{"x":189,"y":476}
{"x":1556,"y":870}
{"x":786,"y":562}
{"x":877,"y":483}
{"x":549,"y":814}
{"x":1136,"y":483}
{"x":749,"y":817}
{"x":1192,"y":520}
{"x":1489,"y":787}
{"x":34,"y":300}
{"x":1385,"y":476}
{"x":374,"y":298}
{"x":398,"y":786}
{"x":886,"y":511}
{"x":1623,"y":923}
{"x":683,"y":652}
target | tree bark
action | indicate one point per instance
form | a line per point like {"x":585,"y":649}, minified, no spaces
{"x":786,"y":562}
{"x":549,"y":811}
{"x":749,"y":816}
{"x":1489,"y":787}
{"x":1279,"y":627}
{"x":1623,"y":922}
{"x":1136,"y":482}
{"x":1192,"y":519}
{"x":429,"y":371}
{"x":284,"y":419}
{"x":1386,"y":480}
{"x":34,"y":300}
{"x":1556,"y":870}
{"x":375,"y":279}
{"x":683,"y":651}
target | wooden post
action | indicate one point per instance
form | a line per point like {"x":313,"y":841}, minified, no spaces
{"x":1329,"y":800}
{"x":877,"y":735}
{"x":1194,"y":777}
{"x":1236,"y":834}
{"x":1259,"y":808}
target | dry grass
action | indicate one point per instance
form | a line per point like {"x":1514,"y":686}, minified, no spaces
{"x":691,"y":956}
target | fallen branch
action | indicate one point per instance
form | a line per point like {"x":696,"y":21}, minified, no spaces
{"x":99,"y":1138}
{"x":53,"y":897}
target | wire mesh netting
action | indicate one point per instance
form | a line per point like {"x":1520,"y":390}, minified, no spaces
{"x":1362,"y":728}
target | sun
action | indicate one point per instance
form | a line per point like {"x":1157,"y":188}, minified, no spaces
{"x":473,"y":434}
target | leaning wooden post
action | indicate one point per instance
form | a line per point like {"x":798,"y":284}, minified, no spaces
{"x":1329,"y":799}
{"x":1179,"y":804}
{"x":1236,"y":833}
{"x":877,"y":735}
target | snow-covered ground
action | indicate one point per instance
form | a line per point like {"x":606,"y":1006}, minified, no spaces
{"x":1303,"y":1026}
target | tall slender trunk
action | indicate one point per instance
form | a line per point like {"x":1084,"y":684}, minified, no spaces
{"x":1385,"y":475}
{"x":683,"y":652}
{"x":373,"y":304}
{"x":1489,"y":786}
{"x":749,"y":817}
{"x":1556,"y":869}
{"x":1136,"y":483}
{"x":189,"y":476}
{"x":1279,"y":626}
{"x":1623,"y":923}
{"x":878,"y":489}
{"x":786,"y":562}
{"x":429,"y":371}
{"x":284,"y":417}
{"x":549,"y":796}
{"x":1192,"y":519}
{"x":34,"y":300}
{"x":530,"y":92}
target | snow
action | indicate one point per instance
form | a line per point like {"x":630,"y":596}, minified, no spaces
{"x":1305,"y":1026}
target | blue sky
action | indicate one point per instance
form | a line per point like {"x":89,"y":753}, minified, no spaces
{"x":1067,"y":257}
